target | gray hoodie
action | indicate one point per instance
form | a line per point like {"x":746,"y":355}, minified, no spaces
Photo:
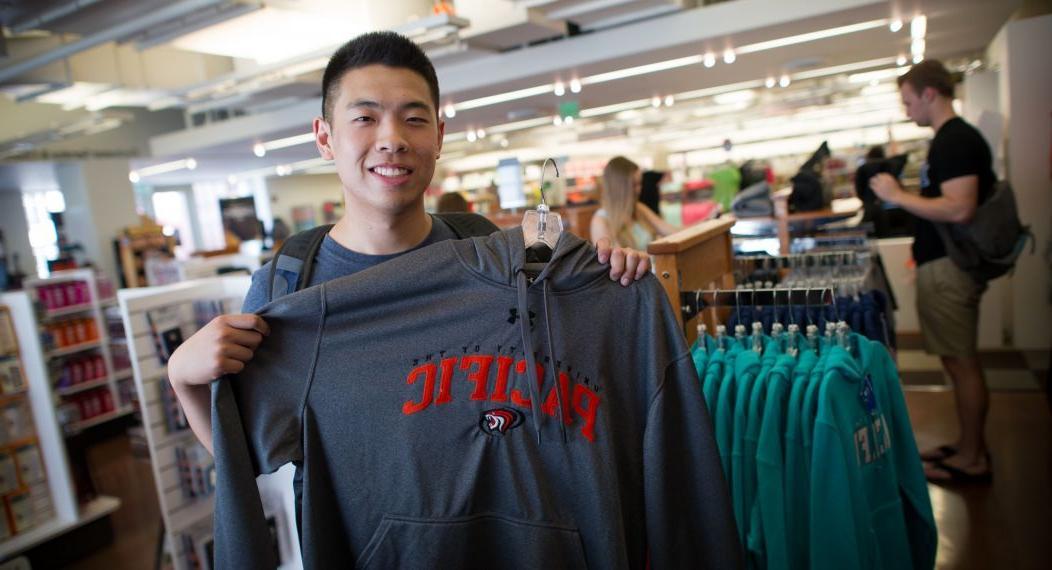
{"x":401,"y":394}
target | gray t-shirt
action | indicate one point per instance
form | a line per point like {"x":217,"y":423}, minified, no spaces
{"x":334,"y":261}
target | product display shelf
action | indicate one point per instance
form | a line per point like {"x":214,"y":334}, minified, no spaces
{"x":69,"y":297}
{"x":156,"y":319}
{"x":55,"y":497}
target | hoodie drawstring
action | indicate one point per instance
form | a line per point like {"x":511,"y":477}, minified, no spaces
{"x":555,"y":363}
{"x":533,"y":380}
{"x":527,"y":347}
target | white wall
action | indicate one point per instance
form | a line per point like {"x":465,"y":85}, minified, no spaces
{"x":1028,"y":108}
{"x":99,"y":204}
{"x":303,"y":190}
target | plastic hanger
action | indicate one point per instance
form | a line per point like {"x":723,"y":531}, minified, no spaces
{"x":541,"y":227}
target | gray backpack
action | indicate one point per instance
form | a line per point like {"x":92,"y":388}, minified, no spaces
{"x":988,"y":246}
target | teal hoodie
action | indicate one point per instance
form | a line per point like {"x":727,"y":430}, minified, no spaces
{"x":796,"y":482}
{"x":857,"y":519}
{"x":913,"y":487}
{"x":710,"y":383}
{"x":767,"y":540}
{"x":725,"y":406}
{"x":747,"y":369}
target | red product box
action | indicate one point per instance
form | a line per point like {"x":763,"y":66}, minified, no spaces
{"x":76,"y":371}
{"x":107,"y":401}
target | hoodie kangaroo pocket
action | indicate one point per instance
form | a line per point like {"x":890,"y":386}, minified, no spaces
{"x":476,"y":541}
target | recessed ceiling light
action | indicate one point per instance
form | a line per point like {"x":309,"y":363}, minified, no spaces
{"x":784,"y":81}
{"x":559,"y":89}
{"x":710,"y":59}
{"x":575,"y":85}
{"x":729,"y":56}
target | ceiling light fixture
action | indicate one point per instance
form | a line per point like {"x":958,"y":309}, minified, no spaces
{"x":710,"y":59}
{"x":895,"y":25}
{"x":568,"y":120}
{"x":769,"y":83}
{"x":900,"y":60}
{"x":472,"y":136}
{"x":164,"y":167}
{"x":504,"y":97}
{"x":450,"y":110}
{"x":655,"y":101}
{"x":481,"y":133}
{"x":559,"y":89}
{"x":259,"y":150}
{"x":812,"y":36}
{"x":729,"y":56}
{"x":286,"y":142}
{"x":669,"y":100}
{"x":743,"y":96}
{"x":575,"y":85}
{"x":557,"y":121}
{"x":919,"y":27}
{"x":784,"y":81}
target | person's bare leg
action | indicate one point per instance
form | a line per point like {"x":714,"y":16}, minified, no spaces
{"x":973,"y":403}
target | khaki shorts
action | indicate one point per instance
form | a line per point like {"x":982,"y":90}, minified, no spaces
{"x":948,"y":307}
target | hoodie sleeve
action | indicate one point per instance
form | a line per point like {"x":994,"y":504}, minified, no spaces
{"x":256,"y":426}
{"x":689,"y":519}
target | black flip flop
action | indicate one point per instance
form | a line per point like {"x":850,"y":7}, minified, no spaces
{"x":961,"y":477}
{"x":944,"y":452}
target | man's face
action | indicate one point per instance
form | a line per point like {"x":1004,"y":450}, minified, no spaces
{"x":384,"y":137}
{"x":916,"y":105}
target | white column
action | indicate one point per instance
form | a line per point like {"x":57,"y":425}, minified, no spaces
{"x":99,"y":204}
{"x":1029,"y":147}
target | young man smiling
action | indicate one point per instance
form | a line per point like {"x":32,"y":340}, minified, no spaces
{"x":380,"y":126}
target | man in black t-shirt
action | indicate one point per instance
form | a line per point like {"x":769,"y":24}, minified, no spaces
{"x":955,"y":179}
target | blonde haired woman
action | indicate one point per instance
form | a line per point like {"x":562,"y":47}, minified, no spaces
{"x":622,"y":218}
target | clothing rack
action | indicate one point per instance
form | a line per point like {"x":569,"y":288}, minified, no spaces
{"x":693,"y":302}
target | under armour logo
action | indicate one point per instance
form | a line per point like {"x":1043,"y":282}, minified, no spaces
{"x":514,"y":316}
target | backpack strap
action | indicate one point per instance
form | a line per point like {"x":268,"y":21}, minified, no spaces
{"x":466,"y":225}
{"x":293,"y":264}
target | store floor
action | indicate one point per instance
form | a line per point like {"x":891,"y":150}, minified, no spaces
{"x":1003,"y":525}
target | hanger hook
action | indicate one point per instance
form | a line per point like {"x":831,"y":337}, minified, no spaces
{"x":543,"y":170}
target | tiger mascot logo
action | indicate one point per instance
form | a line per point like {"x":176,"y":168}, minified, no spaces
{"x":499,"y":421}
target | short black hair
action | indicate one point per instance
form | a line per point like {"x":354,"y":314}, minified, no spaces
{"x":375,"y":48}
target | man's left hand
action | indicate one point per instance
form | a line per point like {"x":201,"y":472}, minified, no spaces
{"x":626,"y":264}
{"x":886,"y":187}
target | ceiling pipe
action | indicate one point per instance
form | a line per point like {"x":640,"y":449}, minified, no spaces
{"x":114,"y":33}
{"x":38,"y":21}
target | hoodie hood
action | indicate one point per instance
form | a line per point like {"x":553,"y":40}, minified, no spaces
{"x":500,"y":256}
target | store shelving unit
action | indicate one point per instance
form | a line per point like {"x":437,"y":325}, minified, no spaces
{"x":151,"y":315}
{"x":80,"y":399}
{"x":53,"y":508}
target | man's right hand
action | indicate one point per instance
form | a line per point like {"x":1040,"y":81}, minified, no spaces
{"x":223,"y":346}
